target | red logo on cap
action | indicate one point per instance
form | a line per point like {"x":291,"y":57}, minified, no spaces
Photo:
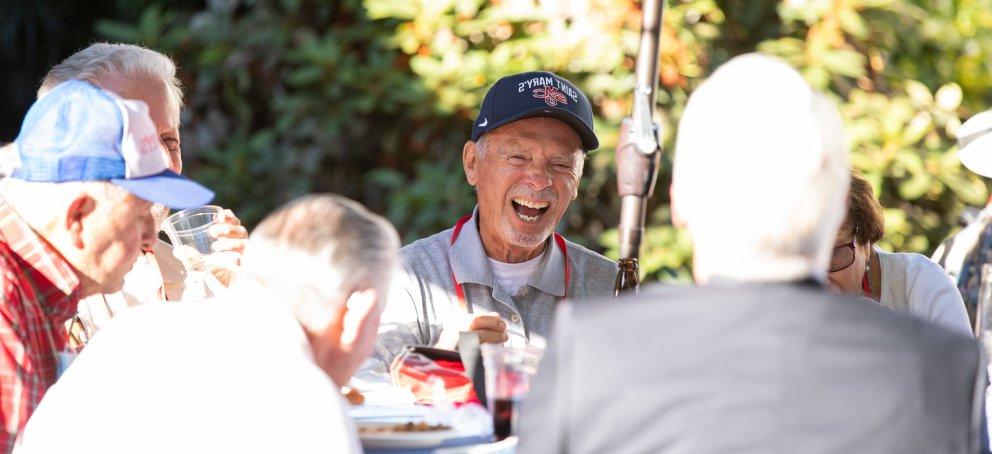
{"x":148,"y":144}
{"x":551,"y":95}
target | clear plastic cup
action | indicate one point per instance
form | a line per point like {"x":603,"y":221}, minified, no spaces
{"x":191,"y":244}
{"x":189,"y":228}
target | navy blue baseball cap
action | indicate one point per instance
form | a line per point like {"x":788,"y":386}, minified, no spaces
{"x":78,"y":132}
{"x":536,"y":94}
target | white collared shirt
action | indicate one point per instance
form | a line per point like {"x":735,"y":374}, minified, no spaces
{"x":913,"y":283}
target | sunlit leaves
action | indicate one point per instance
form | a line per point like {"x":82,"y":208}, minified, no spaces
{"x":374,"y":98}
{"x":949,"y":97}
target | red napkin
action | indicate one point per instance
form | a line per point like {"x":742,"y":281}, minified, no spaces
{"x":417,"y":372}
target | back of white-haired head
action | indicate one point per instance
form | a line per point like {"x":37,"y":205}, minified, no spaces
{"x":760,"y":174}
{"x":314,"y":251}
{"x":102,"y":63}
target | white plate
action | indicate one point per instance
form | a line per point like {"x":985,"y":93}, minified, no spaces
{"x":367,"y":414}
{"x":403,"y":439}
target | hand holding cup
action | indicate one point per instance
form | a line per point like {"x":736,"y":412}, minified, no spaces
{"x":228,"y":246}
{"x":208,"y":238}
{"x":229,"y":234}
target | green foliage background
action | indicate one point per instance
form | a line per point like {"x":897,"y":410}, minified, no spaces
{"x":374,"y":98}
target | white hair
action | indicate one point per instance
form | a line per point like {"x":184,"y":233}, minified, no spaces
{"x":760,"y":174}
{"x":316,"y":250}
{"x":481,"y":145}
{"x":102,"y":62}
{"x":40,"y":204}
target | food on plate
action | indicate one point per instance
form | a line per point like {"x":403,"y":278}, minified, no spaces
{"x":353,"y":395}
{"x":394,"y":428}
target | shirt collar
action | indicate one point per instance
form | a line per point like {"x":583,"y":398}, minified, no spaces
{"x":44,"y":261}
{"x":550,"y":275}
{"x":469,"y":262}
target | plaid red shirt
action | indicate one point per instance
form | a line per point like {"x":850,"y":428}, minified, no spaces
{"x":38,"y":293}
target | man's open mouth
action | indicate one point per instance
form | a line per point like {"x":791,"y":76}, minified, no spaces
{"x":529,"y":210}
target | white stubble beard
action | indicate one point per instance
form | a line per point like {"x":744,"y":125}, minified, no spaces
{"x":525,"y":240}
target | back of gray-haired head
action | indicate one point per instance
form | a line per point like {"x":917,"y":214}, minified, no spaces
{"x":320,"y":247}
{"x":760,"y":172}
{"x":101,"y":63}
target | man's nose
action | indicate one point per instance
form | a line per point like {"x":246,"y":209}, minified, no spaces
{"x":538,"y":178}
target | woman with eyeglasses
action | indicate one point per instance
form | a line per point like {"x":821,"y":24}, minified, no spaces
{"x":900,"y":281}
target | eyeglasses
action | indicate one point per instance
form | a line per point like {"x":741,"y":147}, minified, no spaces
{"x":842,"y":257}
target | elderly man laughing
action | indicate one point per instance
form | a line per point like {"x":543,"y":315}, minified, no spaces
{"x":501,"y":270}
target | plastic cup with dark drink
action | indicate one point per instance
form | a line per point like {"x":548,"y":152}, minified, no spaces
{"x":508,"y":374}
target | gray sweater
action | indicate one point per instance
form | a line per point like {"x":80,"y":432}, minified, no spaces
{"x":424,"y":297}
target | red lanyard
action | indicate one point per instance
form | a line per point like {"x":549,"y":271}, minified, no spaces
{"x":458,"y":287}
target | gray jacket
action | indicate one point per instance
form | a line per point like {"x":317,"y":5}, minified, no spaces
{"x":752,"y":368}
{"x":425,"y":297}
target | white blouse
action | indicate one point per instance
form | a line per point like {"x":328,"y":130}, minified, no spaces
{"x":912,"y":282}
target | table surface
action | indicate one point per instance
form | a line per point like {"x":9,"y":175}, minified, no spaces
{"x":462,"y":445}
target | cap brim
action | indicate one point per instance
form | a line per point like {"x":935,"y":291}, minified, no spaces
{"x":169,"y":189}
{"x":586,"y":135}
{"x":977,"y":156}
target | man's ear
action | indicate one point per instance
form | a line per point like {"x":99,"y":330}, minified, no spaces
{"x":469,"y":157}
{"x":361,"y":317}
{"x":80,"y":207}
{"x":677,"y":219}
